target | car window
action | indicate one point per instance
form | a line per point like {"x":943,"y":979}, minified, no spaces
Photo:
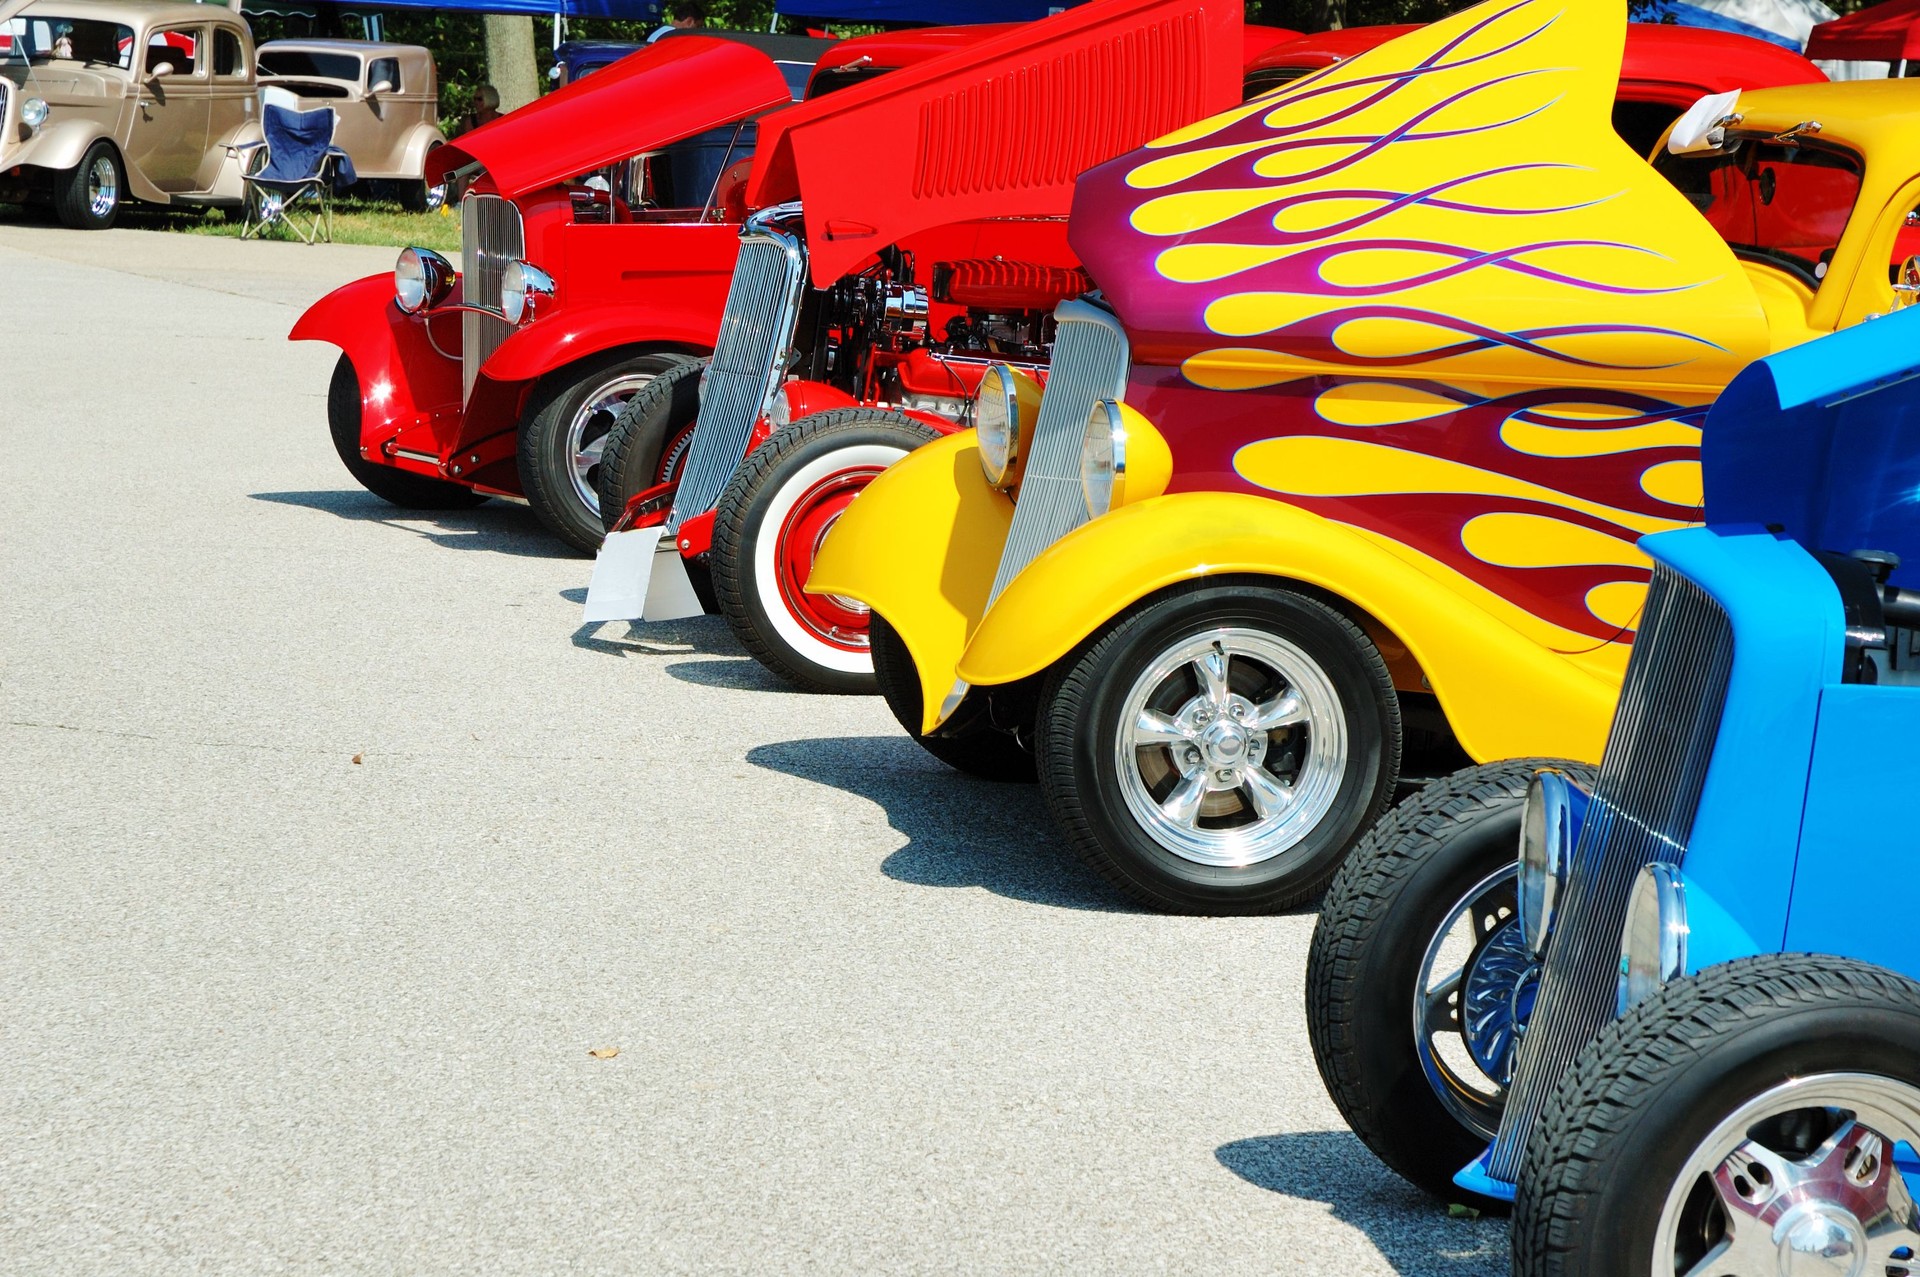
{"x":1785,"y":203}
{"x":44,"y":38}
{"x":228,"y":57}
{"x":387,"y":69}
{"x":177,"y":49}
{"x":302,"y":63}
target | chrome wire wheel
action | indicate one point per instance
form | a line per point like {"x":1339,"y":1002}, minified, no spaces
{"x":1475,"y":990}
{"x":1231,"y":747}
{"x":586,"y":437}
{"x":1799,"y":1181}
{"x":103,"y":186}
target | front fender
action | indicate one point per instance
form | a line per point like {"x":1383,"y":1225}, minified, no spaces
{"x":422,"y":139}
{"x":403,"y":380}
{"x":920,"y":546}
{"x":574,"y":332}
{"x":1505,"y":695}
{"x":60,"y":144}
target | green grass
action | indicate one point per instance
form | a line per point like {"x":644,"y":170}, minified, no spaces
{"x":355,"y":221}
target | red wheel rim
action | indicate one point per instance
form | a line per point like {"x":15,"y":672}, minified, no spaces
{"x":835,"y":621}
{"x":673,"y":454}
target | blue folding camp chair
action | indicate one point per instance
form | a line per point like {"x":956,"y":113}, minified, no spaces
{"x":292,"y":173}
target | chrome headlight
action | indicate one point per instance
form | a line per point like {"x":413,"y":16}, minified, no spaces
{"x":520,"y":284}
{"x":1103,"y":458}
{"x":421,"y":279}
{"x":1653,"y":944}
{"x":779,"y":412}
{"x":1549,"y":828}
{"x":996,"y":423}
{"x":34,"y":112}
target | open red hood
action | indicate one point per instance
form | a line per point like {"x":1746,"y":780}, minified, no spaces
{"x":998,"y":129}
{"x":667,"y":91}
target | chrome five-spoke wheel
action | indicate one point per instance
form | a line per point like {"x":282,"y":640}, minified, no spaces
{"x":1219,"y":748}
{"x":587,"y":433}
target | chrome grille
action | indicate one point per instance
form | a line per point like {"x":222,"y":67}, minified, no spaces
{"x":1644,"y":802}
{"x":1089,"y":364}
{"x":491,"y":236}
{"x":763,"y":306}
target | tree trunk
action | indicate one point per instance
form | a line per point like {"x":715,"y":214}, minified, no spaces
{"x":510,"y":64}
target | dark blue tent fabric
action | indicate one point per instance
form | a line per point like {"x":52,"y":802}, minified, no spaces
{"x":634,"y":10}
{"x":942,"y":13}
{"x":1689,"y":15}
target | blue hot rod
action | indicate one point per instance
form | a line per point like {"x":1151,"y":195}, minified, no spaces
{"x":1680,"y":1030}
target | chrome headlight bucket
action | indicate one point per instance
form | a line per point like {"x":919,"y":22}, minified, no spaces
{"x":520,"y":284}
{"x":1103,"y":458}
{"x":1003,"y":414}
{"x":1549,"y":828}
{"x":1653,"y":944}
{"x":422,"y":279}
{"x":34,"y":112}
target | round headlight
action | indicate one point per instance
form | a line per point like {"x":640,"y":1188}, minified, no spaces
{"x":1653,"y":944}
{"x":520,"y":284}
{"x":1548,"y":827}
{"x":34,"y":112}
{"x":421,"y":279}
{"x":779,"y":412}
{"x":1103,"y":458}
{"x":996,"y":423}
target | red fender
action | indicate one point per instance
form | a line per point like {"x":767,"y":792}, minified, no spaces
{"x":553,"y":341}
{"x":404,"y":383}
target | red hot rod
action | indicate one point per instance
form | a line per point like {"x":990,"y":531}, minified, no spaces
{"x":599,"y":231}
{"x":869,"y":303}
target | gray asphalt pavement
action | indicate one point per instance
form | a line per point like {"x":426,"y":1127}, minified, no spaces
{"x":331,"y":844}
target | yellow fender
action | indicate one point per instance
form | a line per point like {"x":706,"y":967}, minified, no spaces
{"x":920,"y":546}
{"x":1505,"y":694}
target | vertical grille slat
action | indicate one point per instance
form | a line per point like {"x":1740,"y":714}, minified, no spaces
{"x":763,"y":305}
{"x":491,"y":236}
{"x":1642,"y":813}
{"x":1090,"y":357}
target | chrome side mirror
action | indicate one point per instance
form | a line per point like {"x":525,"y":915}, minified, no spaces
{"x":1907,"y":290}
{"x":385,"y":86}
{"x":161,"y":72}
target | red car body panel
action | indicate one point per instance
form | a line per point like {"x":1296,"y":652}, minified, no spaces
{"x":1673,"y":65}
{"x":1888,"y":32}
{"x":1257,"y":40}
{"x":938,"y":144}
{"x":676,"y":87}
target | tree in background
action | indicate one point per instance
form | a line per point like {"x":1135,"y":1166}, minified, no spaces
{"x":512,"y":66}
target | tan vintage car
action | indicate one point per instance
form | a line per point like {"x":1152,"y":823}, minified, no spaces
{"x":107,"y":101}
{"x":386,"y":95}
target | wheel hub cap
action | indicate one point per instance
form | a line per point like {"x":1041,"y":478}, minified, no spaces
{"x":1820,"y":1239}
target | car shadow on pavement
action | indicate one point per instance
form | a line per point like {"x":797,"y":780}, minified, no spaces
{"x":690,"y":636}
{"x":1414,"y":1232}
{"x":960,"y":832}
{"x":498,"y":527}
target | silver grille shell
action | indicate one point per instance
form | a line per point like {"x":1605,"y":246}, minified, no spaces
{"x":1090,"y":358}
{"x":1642,"y":813}
{"x":763,"y":308}
{"x":491,"y":236}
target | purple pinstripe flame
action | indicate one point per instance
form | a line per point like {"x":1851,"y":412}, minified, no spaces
{"x":1317,"y":337}
{"x":1304,"y":272}
{"x":1308,"y":87}
{"x":1261,"y":225}
{"x":1240,"y":170}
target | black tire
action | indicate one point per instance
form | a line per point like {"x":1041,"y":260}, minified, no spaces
{"x":568,"y":504}
{"x":1385,"y":907}
{"x":1080,"y":710}
{"x":1629,"y":1112}
{"x":73,"y":194}
{"x":652,"y":419}
{"x":795,"y":481}
{"x":981,"y":751}
{"x":409,"y":491}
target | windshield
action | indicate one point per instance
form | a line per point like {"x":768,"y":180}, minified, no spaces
{"x":1782,"y":203}
{"x":41,"y":39}
{"x":301,"y":63}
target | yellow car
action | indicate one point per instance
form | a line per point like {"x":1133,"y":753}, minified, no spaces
{"x":1388,"y":371}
